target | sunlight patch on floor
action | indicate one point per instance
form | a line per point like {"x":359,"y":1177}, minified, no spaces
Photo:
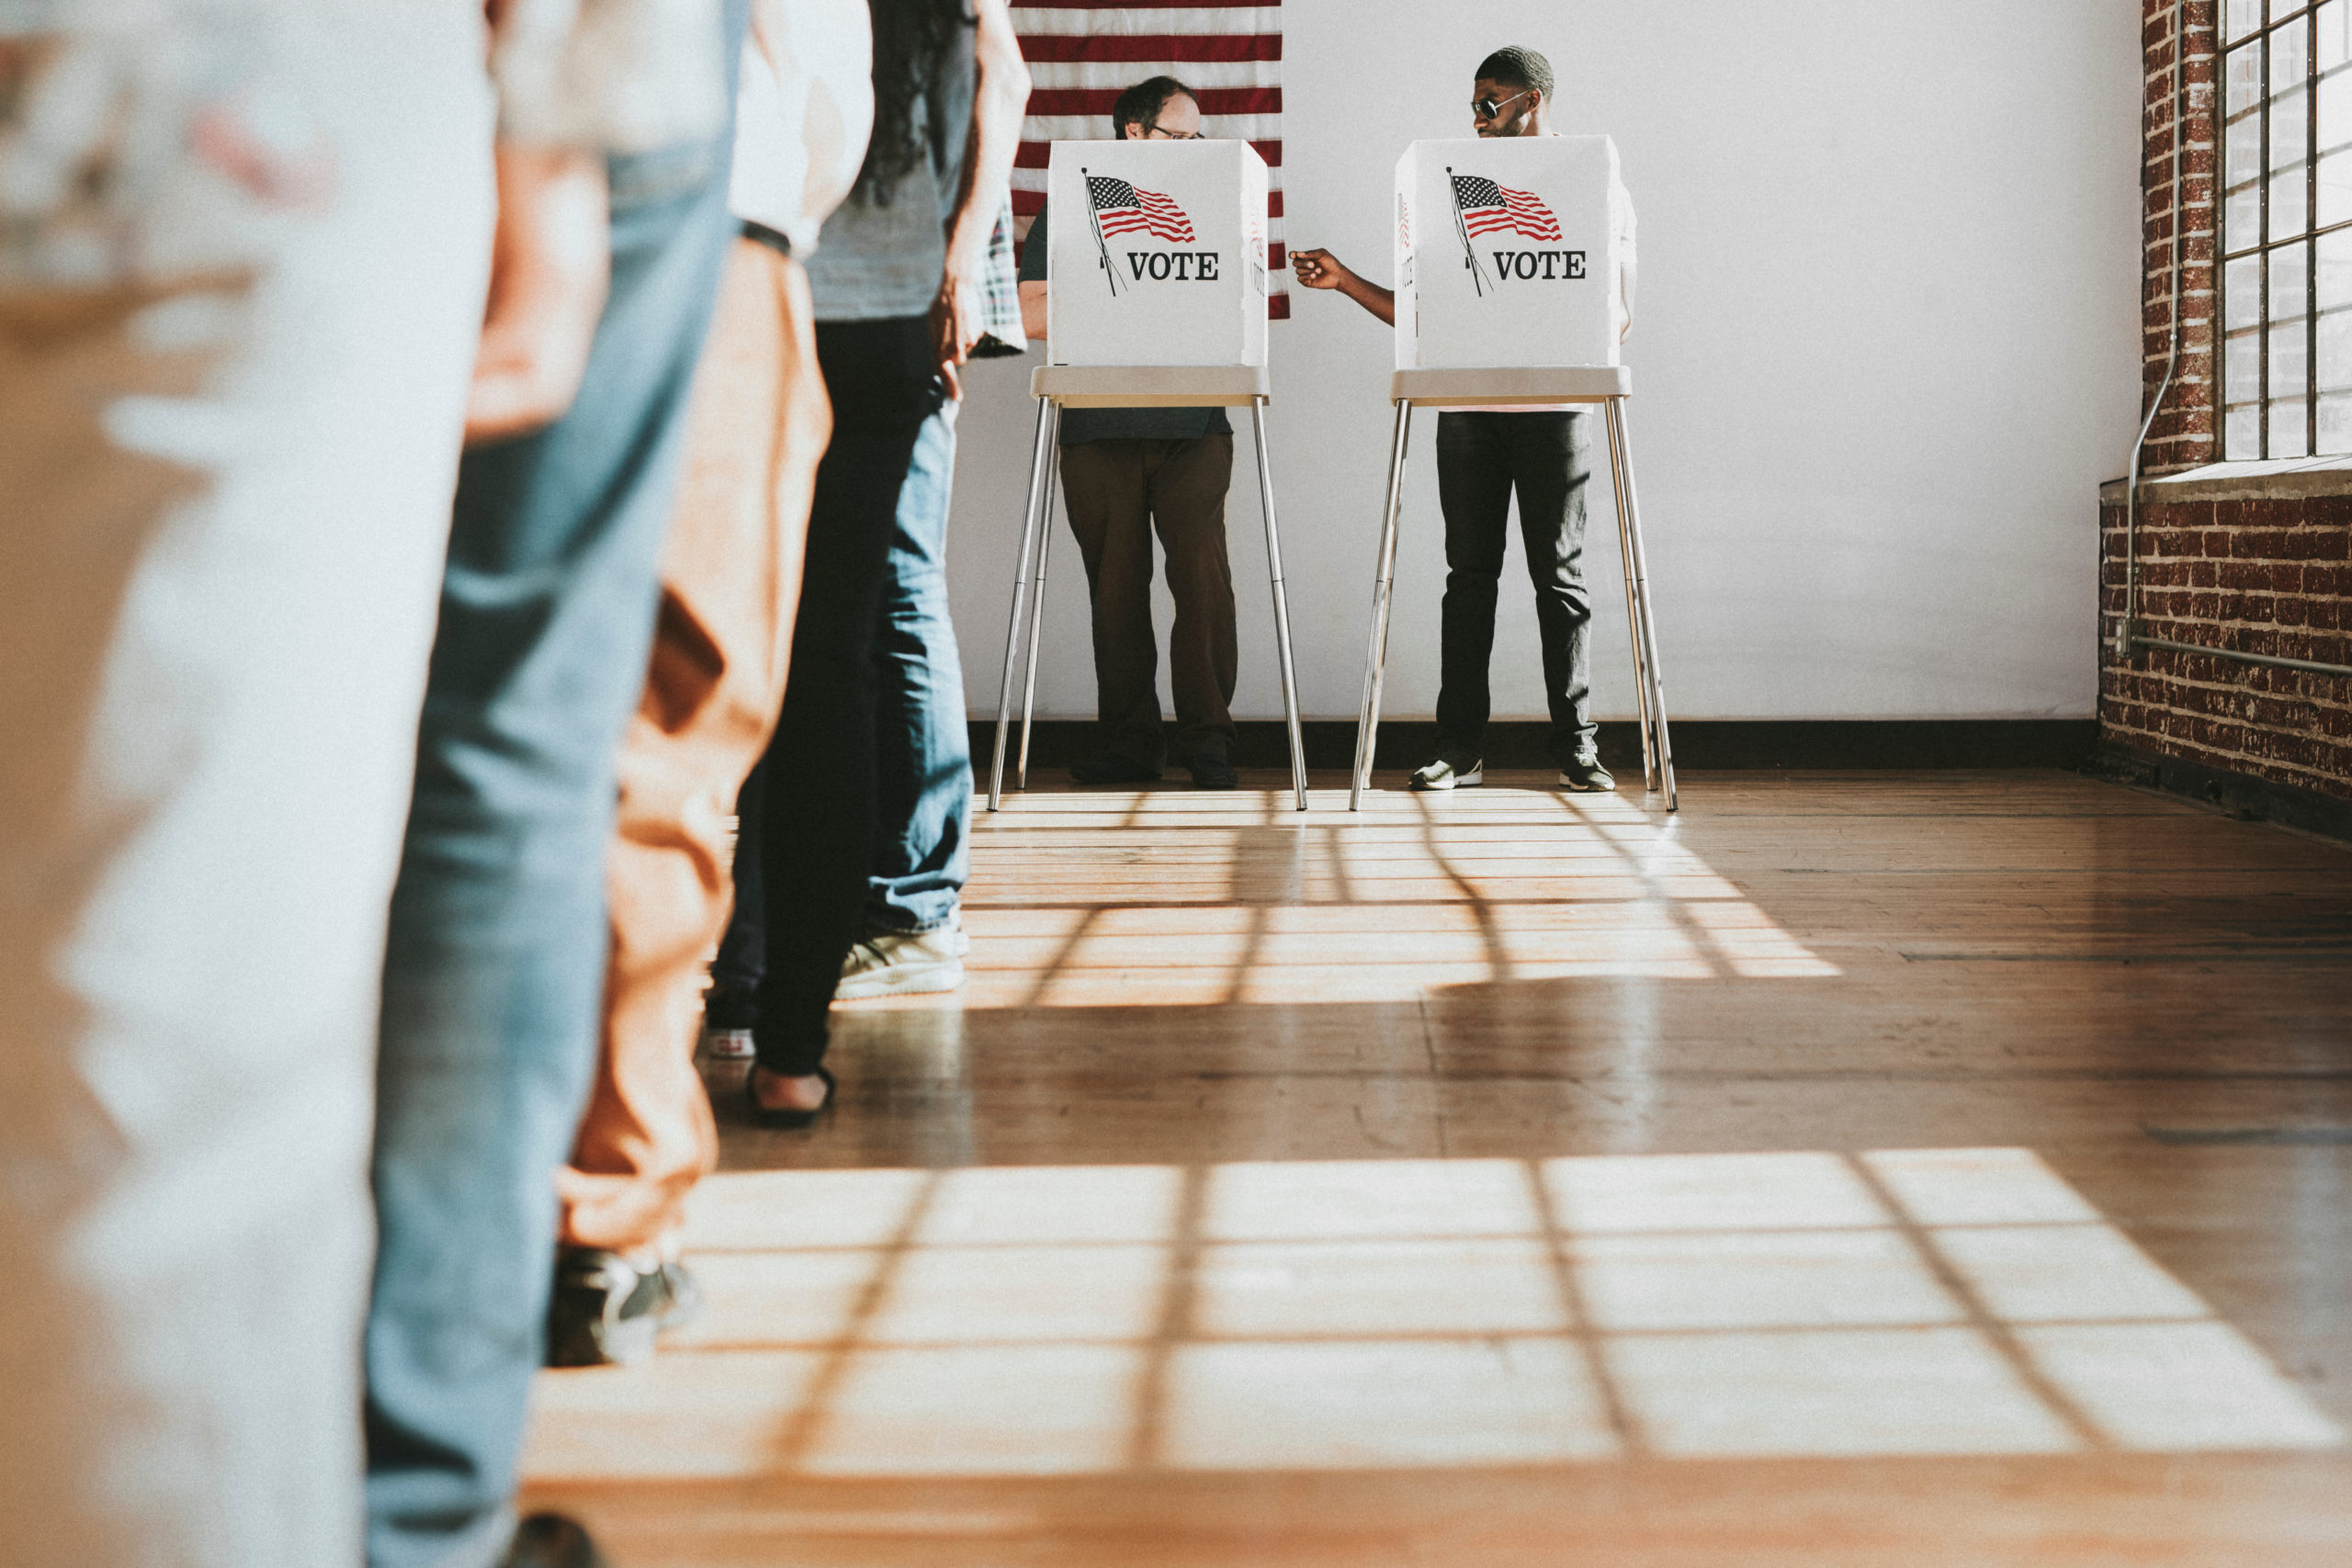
{"x":1414,"y":1314}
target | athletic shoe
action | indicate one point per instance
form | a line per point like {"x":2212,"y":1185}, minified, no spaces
{"x":1447,"y":773}
{"x":727,"y":1045}
{"x":1585,"y":775}
{"x":605,"y":1310}
{"x":1213,"y":772}
{"x":896,"y":964}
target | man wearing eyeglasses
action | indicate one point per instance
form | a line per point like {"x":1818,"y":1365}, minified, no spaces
{"x":1125,"y":471}
{"x":1483,"y":455}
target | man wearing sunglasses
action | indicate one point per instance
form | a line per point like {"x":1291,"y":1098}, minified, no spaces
{"x":1483,"y":455}
{"x":1123,"y":472}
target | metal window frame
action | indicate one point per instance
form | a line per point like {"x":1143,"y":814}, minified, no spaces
{"x":2262,"y":249}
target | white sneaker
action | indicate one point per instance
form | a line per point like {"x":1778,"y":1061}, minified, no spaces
{"x":727,"y":1045}
{"x":893,"y":964}
{"x":1440,"y":774}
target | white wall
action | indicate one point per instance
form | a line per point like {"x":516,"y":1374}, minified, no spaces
{"x":1885,"y":350}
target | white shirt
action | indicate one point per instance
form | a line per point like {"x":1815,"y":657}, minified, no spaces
{"x":803,"y":112}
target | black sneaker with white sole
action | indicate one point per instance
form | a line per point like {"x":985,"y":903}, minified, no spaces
{"x":606,"y":1311}
{"x":1451,"y":773}
{"x":1585,"y":775}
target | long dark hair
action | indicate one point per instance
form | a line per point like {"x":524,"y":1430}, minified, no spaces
{"x":911,"y":40}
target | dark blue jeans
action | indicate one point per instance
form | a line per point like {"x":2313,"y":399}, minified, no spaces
{"x":922,"y":848}
{"x":1481,"y":459}
{"x":495,"y":965}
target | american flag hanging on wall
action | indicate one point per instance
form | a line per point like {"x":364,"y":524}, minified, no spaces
{"x":1083,"y":53}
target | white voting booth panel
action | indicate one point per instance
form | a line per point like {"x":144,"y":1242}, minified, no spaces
{"x":1158,"y":254}
{"x":1506,"y":254}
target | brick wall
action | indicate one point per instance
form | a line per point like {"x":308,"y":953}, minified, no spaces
{"x":2259,"y":574}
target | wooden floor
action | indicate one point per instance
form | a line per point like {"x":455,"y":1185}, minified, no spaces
{"x":1888,"y":1171}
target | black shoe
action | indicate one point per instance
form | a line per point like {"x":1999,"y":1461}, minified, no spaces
{"x":1584,"y":776}
{"x":1213,"y":772}
{"x":550,"y":1540}
{"x":605,"y":1311}
{"x":1110,"y":770}
{"x":788,"y":1117}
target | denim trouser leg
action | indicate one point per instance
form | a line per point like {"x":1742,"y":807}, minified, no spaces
{"x":497,"y":943}
{"x":922,"y":744}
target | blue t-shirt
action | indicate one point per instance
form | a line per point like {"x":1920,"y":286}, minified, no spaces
{"x":1082,"y":426}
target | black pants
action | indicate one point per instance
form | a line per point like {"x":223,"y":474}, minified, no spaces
{"x":818,"y":780}
{"x":1481,"y":459}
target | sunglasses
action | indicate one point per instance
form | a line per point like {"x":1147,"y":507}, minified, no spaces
{"x":1487,"y":108}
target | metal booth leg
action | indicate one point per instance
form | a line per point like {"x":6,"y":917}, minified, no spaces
{"x":1633,"y":612}
{"x":1375,"y":657}
{"x":1037,"y":594}
{"x":1020,"y":602}
{"x":1642,"y":603}
{"x":1282,"y":605}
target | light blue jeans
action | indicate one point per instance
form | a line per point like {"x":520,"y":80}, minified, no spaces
{"x":922,"y":848}
{"x":495,"y":964}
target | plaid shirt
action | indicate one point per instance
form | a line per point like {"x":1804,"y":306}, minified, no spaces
{"x":1000,"y":333}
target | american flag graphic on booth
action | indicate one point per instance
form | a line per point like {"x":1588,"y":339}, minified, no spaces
{"x":1488,"y":207}
{"x":1124,"y":208}
{"x":1083,"y":53}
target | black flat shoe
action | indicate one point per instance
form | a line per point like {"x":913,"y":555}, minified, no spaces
{"x":787,"y":1116}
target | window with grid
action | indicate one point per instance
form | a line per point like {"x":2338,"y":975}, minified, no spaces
{"x":2286,"y":227}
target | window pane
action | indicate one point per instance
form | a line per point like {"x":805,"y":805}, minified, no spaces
{"x":2282,"y":9}
{"x":2240,"y":17}
{"x":2244,"y":77}
{"x":2287,"y":358}
{"x":2290,"y":58}
{"x":2335,"y":425}
{"x":2289,"y":276}
{"x":2335,"y":34}
{"x":2242,"y":301}
{"x":2290,"y":127}
{"x":2335,"y":271}
{"x":2289,"y":437}
{"x":2334,"y":352}
{"x":2288,"y":215}
{"x":2242,"y":433}
{"x":2242,"y":369}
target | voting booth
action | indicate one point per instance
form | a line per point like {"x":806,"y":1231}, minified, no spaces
{"x":1155,"y":298}
{"x":1158,"y":253}
{"x":1507,"y":252}
{"x":1510,"y":254}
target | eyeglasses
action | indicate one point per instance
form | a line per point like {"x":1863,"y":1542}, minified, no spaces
{"x":1487,"y":108}
{"x":1153,"y":127}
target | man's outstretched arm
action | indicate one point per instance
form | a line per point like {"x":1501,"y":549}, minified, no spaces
{"x":1321,"y":269}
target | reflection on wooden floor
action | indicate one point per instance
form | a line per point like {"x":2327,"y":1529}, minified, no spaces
{"x":1851,"y":1170}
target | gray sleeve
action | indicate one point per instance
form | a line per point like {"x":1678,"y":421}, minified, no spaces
{"x":1032,"y":251}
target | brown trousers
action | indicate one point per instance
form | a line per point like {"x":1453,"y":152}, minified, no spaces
{"x":731,"y":582}
{"x":1116,"y":491}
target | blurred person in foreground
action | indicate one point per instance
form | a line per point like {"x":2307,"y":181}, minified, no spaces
{"x":756,"y":426}
{"x":243,"y":252}
{"x":496,"y":952}
{"x":899,"y":284}
{"x":1484,"y":456}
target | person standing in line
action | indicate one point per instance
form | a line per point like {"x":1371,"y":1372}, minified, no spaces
{"x":899,"y":304}
{"x":1483,"y":456}
{"x":757,"y":425}
{"x":242,"y":329}
{"x":1123,"y":472}
{"x":497,"y":933}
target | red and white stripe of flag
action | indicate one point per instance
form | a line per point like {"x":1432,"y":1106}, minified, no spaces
{"x":1083,"y":53}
